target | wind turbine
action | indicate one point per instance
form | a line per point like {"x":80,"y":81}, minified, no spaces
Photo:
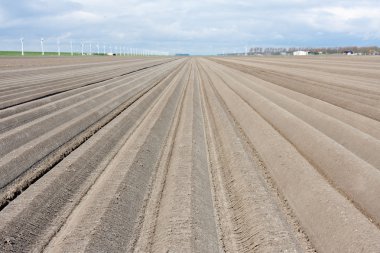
{"x":97,"y":45}
{"x":90,"y":49}
{"x":104,"y":49}
{"x":71,"y":47}
{"x":82,"y":47}
{"x":22,"y":46}
{"x":42,"y":46}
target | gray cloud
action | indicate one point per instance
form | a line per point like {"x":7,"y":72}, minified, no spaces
{"x":207,"y":26}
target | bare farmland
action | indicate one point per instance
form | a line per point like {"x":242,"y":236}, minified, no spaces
{"x":210,"y":154}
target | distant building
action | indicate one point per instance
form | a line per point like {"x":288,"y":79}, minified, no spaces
{"x":301,"y":53}
{"x":182,"y":54}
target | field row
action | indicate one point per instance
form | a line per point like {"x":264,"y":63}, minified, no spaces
{"x":191,"y":155}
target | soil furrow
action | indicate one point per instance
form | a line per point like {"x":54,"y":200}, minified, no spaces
{"x":185,"y":219}
{"x":343,"y":169}
{"x":363,"y":145}
{"x":36,"y":94}
{"x":258,"y":223}
{"x":317,"y":205}
{"x":115,"y":230}
{"x":53,"y":99}
{"x":344,"y":83}
{"x":80,"y":223}
{"x":348,"y":102}
{"x":38,"y":158}
{"x":364,"y":124}
{"x":191,"y":154}
{"x":43,"y":209}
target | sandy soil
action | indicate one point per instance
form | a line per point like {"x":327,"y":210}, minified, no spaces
{"x":263,"y":154}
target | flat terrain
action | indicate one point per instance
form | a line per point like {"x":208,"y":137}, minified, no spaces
{"x":245,"y":154}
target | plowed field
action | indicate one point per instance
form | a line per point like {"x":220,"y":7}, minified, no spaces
{"x":217,"y":154}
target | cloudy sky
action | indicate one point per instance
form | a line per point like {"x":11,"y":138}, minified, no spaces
{"x":197,"y":27}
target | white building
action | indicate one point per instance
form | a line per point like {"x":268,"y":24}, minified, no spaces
{"x":300,"y":53}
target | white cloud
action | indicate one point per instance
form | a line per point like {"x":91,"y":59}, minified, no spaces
{"x":197,"y":25}
{"x":362,"y":22}
{"x":78,"y":17}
